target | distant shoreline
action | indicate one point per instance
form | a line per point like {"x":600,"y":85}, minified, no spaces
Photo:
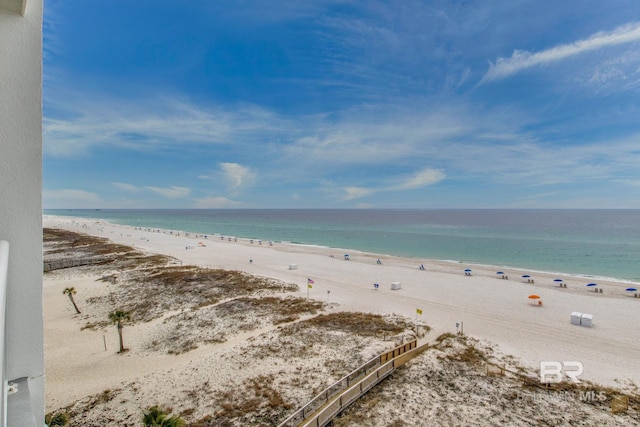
{"x":418,"y":260}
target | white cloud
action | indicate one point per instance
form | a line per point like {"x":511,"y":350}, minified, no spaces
{"x":173,"y":192}
{"x":126,"y":187}
{"x":215,"y":203}
{"x":237,"y":174}
{"x":521,"y":59}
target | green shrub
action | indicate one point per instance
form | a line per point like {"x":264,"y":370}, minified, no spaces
{"x":158,"y":417}
{"x":56,"y":420}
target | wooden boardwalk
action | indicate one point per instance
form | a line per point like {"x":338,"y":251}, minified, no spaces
{"x":327,"y":405}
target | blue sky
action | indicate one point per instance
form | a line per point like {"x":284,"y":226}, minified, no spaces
{"x":341,"y":104}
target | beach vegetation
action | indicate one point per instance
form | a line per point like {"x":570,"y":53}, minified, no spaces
{"x":67,"y":249}
{"x":159,"y":417}
{"x":59,"y":420}
{"x":118,"y":317}
{"x":61,"y":241}
{"x":212,"y":324}
{"x":188,"y":287}
{"x":70,"y":292}
{"x":256,"y":402}
{"x":362,"y":324}
{"x":445,"y":336}
{"x":93,"y":325}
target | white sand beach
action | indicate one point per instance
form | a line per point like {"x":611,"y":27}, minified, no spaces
{"x":489,"y":308}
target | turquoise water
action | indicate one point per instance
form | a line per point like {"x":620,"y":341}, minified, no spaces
{"x":602,"y":243}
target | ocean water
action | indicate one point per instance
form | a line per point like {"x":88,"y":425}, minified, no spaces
{"x":599,"y":243}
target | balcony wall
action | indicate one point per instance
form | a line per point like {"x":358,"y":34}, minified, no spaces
{"x":21,"y":190}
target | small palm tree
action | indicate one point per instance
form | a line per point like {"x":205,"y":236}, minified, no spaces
{"x":157,"y":417}
{"x":70,"y":292}
{"x":119,"y":317}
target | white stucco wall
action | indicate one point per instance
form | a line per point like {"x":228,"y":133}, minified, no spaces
{"x":21,"y":192}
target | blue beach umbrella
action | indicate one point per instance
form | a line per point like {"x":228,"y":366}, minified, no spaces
{"x":500,"y":272}
{"x":526,"y":276}
{"x":467,"y":270}
{"x":558,"y":280}
{"x":631,"y":290}
{"x":592,"y":284}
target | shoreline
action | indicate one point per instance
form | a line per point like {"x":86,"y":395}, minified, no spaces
{"x":311,"y":246}
{"x":520,"y":239}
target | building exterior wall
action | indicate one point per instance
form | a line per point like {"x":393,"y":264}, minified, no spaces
{"x":21,"y":193}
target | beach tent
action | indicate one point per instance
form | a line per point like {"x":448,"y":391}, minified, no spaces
{"x":535,"y":299}
{"x":395,"y":286}
{"x":586,"y":320}
{"x":575,"y":318}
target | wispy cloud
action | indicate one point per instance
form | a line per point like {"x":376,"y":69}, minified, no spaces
{"x":420,"y":179}
{"x":149,"y":124}
{"x":521,"y":59}
{"x":173,"y":192}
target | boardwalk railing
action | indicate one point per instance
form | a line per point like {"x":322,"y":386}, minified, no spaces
{"x":321,"y":409}
{"x":73,"y":262}
{"x":4,"y":271}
